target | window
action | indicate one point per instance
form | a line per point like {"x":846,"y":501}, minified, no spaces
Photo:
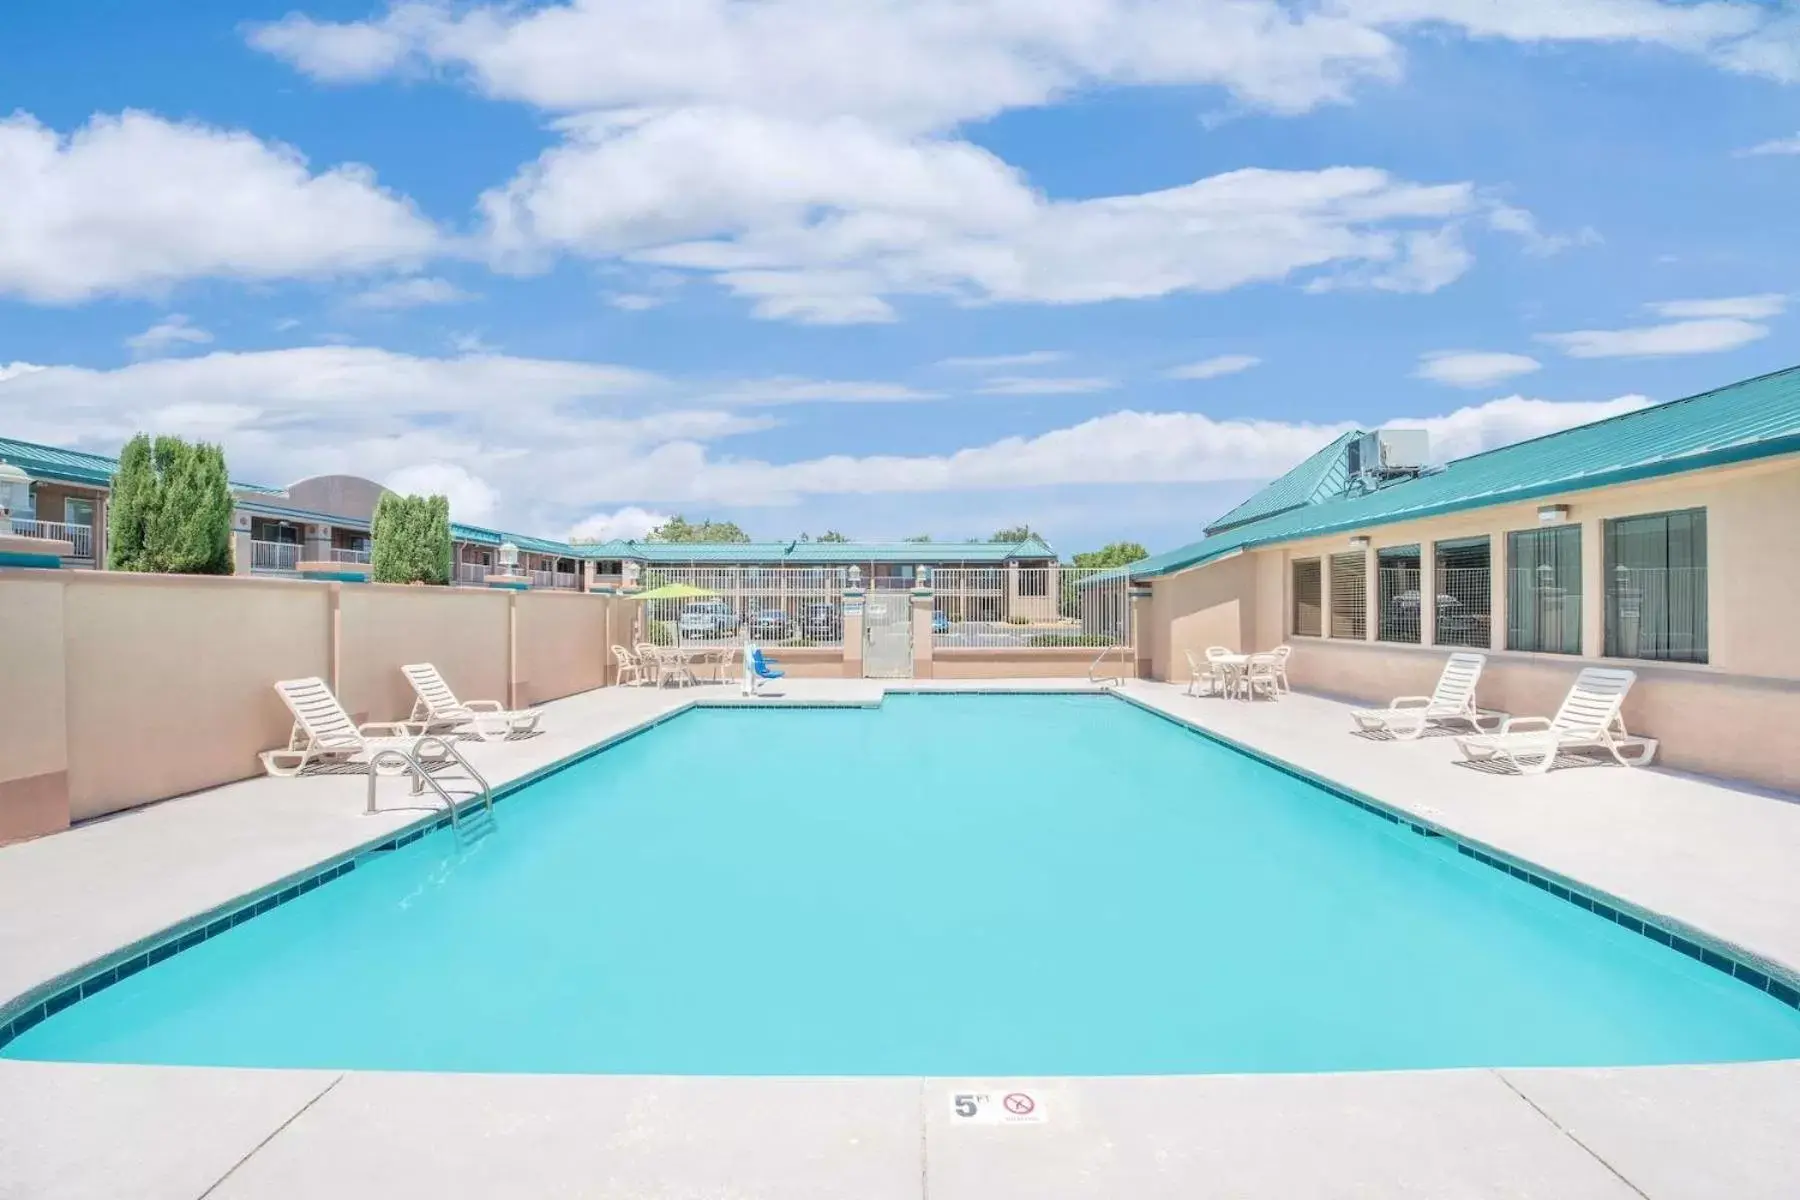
{"x":1397,"y":594}
{"x":1543,"y":590}
{"x":1465,"y":597}
{"x":1306,"y":598}
{"x":1656,"y":586}
{"x":78,"y":512}
{"x":1349,"y":595}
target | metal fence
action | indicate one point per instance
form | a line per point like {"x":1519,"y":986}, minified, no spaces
{"x":81,"y":537}
{"x":792,"y":606}
{"x":274,"y":556}
{"x":1029,"y":607}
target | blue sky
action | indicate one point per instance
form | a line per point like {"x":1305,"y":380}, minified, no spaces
{"x":889,"y":268}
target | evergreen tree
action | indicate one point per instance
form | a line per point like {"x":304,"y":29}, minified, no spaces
{"x":410,"y":538}
{"x":170,"y":509}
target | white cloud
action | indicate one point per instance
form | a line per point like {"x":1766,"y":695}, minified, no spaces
{"x":1679,"y":337}
{"x":828,"y":222}
{"x":923,"y":64}
{"x":1028,"y":358}
{"x":627,"y":523}
{"x":416,"y":292}
{"x":1044,"y":385}
{"x":1213,"y":368}
{"x":134,"y":203}
{"x":791,"y":390}
{"x":1743,"y":308}
{"x":471,"y":498}
{"x":1787,"y":145}
{"x":170,"y":333}
{"x":1473,"y":368}
{"x":12,"y":370}
{"x":572,"y":438}
{"x":635,"y":301}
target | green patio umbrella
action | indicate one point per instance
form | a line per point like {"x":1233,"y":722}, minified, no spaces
{"x":672,"y":591}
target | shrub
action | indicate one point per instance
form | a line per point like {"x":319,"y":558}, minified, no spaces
{"x":410,"y":538}
{"x":660,"y":633}
{"x":1018,"y":620}
{"x":170,"y":509}
{"x":1049,"y":640}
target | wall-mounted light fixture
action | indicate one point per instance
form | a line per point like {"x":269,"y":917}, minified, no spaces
{"x":1360,"y":541}
{"x":1553,"y":514}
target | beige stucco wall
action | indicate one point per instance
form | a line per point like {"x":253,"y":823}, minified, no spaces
{"x":463,"y":631}
{"x":168,"y":679}
{"x":562,"y":644}
{"x":1022,"y":663}
{"x":1731,"y":717}
{"x":34,"y":752}
{"x":1215,"y":606}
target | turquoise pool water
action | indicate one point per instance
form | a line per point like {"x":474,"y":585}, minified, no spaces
{"x":947,"y":885}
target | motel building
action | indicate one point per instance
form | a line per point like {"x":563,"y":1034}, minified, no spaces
{"x":318,"y":528}
{"x":1666,"y":541}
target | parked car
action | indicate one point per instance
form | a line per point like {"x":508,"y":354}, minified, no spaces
{"x":708,"y":619}
{"x":771,"y":623}
{"x":822,"y":621}
{"x":940,"y":622}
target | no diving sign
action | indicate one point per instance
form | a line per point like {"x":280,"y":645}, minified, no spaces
{"x":1016,"y":1107}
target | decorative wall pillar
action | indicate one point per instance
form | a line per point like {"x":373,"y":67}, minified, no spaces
{"x":240,"y":543}
{"x":1428,"y":592}
{"x":853,"y":632}
{"x":1142,"y":633}
{"x":921,"y":633}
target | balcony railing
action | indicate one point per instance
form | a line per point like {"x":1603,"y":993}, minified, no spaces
{"x":80,"y":536}
{"x":274,"y":556}
{"x":349,"y":556}
{"x":473,"y":572}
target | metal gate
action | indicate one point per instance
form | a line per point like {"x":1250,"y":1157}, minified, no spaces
{"x":887,"y":637}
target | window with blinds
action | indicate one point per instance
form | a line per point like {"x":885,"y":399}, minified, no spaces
{"x":1656,"y":586}
{"x":1543,"y":590}
{"x":1306,"y":598}
{"x":1349,"y":599}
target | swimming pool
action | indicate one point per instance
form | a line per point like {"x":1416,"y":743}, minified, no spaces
{"x":947,"y":885}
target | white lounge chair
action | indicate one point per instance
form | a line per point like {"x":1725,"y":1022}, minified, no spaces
{"x":324,"y":731}
{"x":1589,"y":717}
{"x":438,"y":706}
{"x":630,"y":668}
{"x":1452,"y":700}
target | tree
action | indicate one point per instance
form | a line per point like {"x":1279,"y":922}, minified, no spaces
{"x":411,"y":539}
{"x":170,"y":509}
{"x":832,"y":535}
{"x":918,"y":537}
{"x":1018,"y":533}
{"x":679,"y":529}
{"x":1113,"y":554}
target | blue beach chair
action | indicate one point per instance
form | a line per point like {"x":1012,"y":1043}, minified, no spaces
{"x":760,"y":669}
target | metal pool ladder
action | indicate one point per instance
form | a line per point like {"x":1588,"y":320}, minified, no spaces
{"x":470,"y":805}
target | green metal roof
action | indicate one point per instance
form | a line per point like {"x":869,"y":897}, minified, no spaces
{"x":1320,"y":477}
{"x":1757,"y":418}
{"x":56,"y":465}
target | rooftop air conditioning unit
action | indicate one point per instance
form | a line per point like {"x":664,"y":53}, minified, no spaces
{"x":1389,"y":454}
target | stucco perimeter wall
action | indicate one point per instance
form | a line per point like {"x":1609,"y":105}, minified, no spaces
{"x":562,"y":647}
{"x":1732,"y":717}
{"x":464,"y":632}
{"x":167,"y":679}
{"x":1022,"y":663}
{"x":120,"y":690}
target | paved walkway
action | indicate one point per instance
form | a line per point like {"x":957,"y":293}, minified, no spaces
{"x":1716,"y":858}
{"x":1723,"y":860}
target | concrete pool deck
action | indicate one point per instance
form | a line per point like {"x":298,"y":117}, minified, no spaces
{"x":1714,"y":858}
